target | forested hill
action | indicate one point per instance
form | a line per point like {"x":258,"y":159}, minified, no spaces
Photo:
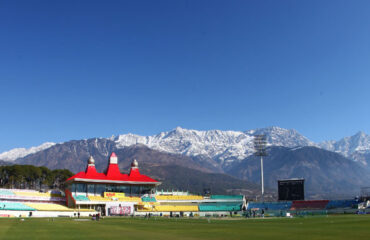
{"x":31,"y":177}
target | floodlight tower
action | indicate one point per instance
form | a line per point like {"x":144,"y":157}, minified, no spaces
{"x":260,"y":148}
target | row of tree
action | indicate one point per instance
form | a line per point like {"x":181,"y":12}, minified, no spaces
{"x":31,"y":177}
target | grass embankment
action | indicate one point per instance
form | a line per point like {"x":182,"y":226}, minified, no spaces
{"x":332,"y":227}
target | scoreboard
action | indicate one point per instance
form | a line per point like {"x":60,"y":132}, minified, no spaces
{"x":291,"y":189}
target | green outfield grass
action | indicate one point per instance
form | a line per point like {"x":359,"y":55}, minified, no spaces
{"x":322,"y":227}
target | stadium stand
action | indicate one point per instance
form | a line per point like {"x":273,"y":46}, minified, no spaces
{"x":148,"y":199}
{"x":30,"y":195}
{"x":6,"y":192}
{"x":342,"y":204}
{"x":179,"y":197}
{"x":129,"y":199}
{"x":99,"y":199}
{"x":121,"y":199}
{"x":227,"y":197}
{"x":51,"y":207}
{"x":16,"y":206}
{"x":219,"y":207}
{"x":33,"y":194}
{"x":81,"y":198}
{"x":175,"y":208}
{"x":270,"y":205}
{"x":312,"y":204}
{"x":145,"y":207}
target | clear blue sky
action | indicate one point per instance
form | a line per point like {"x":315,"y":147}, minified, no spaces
{"x":81,"y":69}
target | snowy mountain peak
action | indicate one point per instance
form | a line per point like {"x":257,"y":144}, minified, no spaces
{"x":22,"y":152}
{"x":358,"y":143}
{"x":179,"y":129}
{"x":360,"y":135}
{"x":220,"y":145}
{"x":212,"y":143}
{"x":277,"y":136}
{"x":216,"y":144}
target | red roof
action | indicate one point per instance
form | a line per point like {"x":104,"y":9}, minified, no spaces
{"x":112,"y":175}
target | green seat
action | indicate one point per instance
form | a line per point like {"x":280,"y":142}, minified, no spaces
{"x":81,"y":198}
{"x":17,"y":206}
{"x":220,"y":207}
{"x":227,"y":197}
{"x":6,"y":192}
{"x":148,"y":199}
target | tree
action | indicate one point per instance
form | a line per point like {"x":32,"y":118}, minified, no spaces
{"x":31,"y":177}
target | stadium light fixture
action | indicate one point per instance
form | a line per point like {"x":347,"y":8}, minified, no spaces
{"x":260,"y":150}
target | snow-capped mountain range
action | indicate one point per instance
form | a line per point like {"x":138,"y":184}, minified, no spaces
{"x":360,"y":142}
{"x":16,"y":153}
{"x":222,"y":146}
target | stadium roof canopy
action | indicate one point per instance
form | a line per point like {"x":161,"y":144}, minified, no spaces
{"x":113,"y":174}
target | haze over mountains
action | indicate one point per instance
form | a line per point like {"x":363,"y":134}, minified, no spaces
{"x":342,"y":165}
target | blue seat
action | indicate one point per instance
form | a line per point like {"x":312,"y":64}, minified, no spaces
{"x":342,"y":204}
{"x":286,"y":205}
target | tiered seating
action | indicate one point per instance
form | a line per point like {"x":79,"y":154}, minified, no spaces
{"x":227,"y":197}
{"x":220,"y":207}
{"x":6,"y":192}
{"x":145,"y":208}
{"x":26,"y":195}
{"x":35,"y":195}
{"x":55,"y":194}
{"x":121,"y":199}
{"x":17,"y":206}
{"x":99,"y":199}
{"x":313,"y":204}
{"x":148,"y":199}
{"x":175,"y":208}
{"x":32,"y":194}
{"x":341,"y":204}
{"x":179,"y":197}
{"x":52,"y":207}
{"x":129,"y":199}
{"x":270,"y":205}
{"x":81,"y":198}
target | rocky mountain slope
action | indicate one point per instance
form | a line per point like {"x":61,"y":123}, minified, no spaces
{"x":73,"y":155}
{"x":231,"y":152}
{"x":224,"y":147}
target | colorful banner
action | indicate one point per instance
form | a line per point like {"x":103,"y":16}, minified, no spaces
{"x":120,"y":210}
{"x":113,"y":194}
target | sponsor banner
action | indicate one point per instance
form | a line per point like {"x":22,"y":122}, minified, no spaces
{"x":120,"y":210}
{"x":113,"y":194}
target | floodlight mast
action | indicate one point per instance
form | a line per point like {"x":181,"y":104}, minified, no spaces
{"x":260,"y":148}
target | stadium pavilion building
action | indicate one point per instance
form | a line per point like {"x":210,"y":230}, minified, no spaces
{"x":111,"y":192}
